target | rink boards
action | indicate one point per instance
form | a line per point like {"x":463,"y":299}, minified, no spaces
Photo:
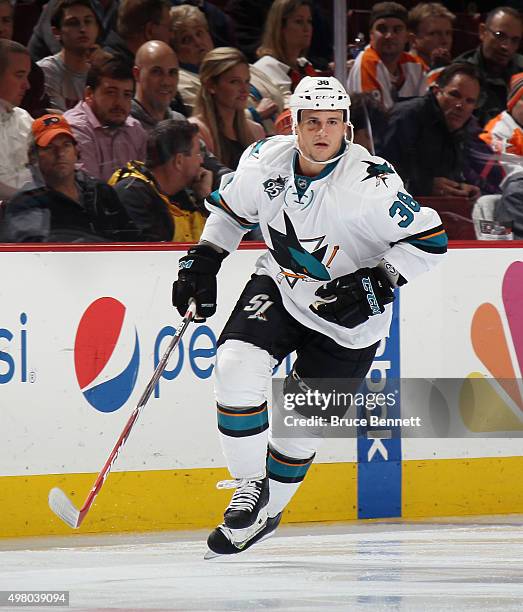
{"x":64,"y":398}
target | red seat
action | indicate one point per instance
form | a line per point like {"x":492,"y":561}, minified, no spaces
{"x":455,"y":213}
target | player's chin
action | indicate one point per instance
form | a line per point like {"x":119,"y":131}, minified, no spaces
{"x":322,"y":153}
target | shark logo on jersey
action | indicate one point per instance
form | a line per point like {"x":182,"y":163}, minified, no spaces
{"x":378,"y":171}
{"x":289,"y":253}
{"x":273,"y":187}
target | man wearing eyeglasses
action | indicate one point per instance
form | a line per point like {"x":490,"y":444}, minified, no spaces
{"x":497,"y":59}
{"x":156,"y":193}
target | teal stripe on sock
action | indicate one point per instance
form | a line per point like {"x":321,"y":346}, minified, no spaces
{"x":242,"y":422}
{"x":284,"y":470}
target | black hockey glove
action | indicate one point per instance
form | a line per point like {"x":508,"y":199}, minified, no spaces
{"x":197,"y":279}
{"x":351,"y":299}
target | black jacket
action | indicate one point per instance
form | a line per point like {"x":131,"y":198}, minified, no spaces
{"x":419,"y":145}
{"x":146,"y":207}
{"x":494,"y":88}
{"x":42,"y":214}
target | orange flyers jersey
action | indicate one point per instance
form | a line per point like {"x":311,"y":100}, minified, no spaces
{"x":370,"y":74}
{"x":504,"y":135}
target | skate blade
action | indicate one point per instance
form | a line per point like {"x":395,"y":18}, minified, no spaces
{"x":212,"y":555}
{"x":209,"y":555}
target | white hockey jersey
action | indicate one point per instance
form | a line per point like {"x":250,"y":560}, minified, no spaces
{"x":352,"y":215}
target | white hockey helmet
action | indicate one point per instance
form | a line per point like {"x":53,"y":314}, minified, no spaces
{"x":320,"y":93}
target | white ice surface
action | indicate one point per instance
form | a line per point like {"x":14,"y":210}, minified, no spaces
{"x":456,"y":564}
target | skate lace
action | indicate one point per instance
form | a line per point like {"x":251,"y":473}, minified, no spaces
{"x":246,"y":495}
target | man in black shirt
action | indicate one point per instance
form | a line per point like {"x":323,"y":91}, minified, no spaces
{"x":496,"y":59}
{"x":428,"y":138}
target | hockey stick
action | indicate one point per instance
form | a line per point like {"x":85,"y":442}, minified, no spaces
{"x":59,"y":503}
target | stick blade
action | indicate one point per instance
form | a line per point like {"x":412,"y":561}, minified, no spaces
{"x":62,"y":506}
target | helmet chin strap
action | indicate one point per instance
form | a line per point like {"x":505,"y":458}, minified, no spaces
{"x":332,"y":159}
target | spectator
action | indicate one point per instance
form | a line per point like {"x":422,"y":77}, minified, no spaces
{"x":155,"y":194}
{"x":156,"y":74}
{"x":430,"y":34}
{"x":35,"y":100}
{"x":155,"y":71}
{"x":221,"y":103}
{"x":220,"y":24}
{"x":500,"y":217}
{"x":509,"y":207}
{"x":192,"y":41}
{"x":384,"y":68}
{"x":68,"y":206}
{"x":15,"y":122}
{"x":44,"y":43}
{"x":426,"y":138}
{"x":106,"y":135}
{"x":6,"y":19}
{"x":504,"y":133}
{"x":249,"y":17}
{"x":138,"y":22}
{"x":496,"y":59}
{"x":75,"y":24}
{"x":286,"y":38}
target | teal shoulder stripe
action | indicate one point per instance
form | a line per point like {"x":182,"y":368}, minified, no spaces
{"x":215,"y":200}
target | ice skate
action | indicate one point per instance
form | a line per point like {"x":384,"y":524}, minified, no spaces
{"x":222,"y":541}
{"x":248,"y":504}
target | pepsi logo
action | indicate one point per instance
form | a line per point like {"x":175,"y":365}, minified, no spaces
{"x":106,"y":354}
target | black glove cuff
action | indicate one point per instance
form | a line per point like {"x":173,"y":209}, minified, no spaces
{"x":202,"y":259}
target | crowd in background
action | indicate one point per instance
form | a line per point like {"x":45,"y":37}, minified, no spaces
{"x":118,"y":118}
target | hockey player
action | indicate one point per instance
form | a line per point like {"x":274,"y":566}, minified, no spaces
{"x":342,"y":233}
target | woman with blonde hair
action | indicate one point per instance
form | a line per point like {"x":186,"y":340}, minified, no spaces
{"x":221,"y":103}
{"x":191,"y":41}
{"x":286,"y":39}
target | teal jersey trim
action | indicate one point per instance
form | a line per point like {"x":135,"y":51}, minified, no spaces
{"x":303,"y":182}
{"x":434,"y":240}
{"x":215,"y":200}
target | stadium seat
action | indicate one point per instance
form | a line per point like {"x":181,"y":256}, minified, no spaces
{"x":455,"y":213}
